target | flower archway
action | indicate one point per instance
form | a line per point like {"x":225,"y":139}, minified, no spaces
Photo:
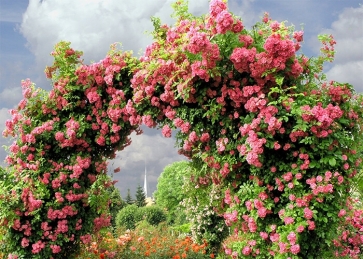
{"x":281,"y":142}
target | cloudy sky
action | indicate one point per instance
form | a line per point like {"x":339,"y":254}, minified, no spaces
{"x":30,"y":29}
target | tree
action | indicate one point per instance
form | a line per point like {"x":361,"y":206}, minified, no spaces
{"x":169,"y":191}
{"x":116,"y":203}
{"x":128,"y":217}
{"x":140,"y":197}
{"x":153,"y":214}
{"x":129,"y":199}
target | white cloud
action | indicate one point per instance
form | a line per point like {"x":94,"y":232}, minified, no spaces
{"x":348,"y":33}
{"x":12,"y":70}
{"x":244,"y":9}
{"x":10,"y":96}
{"x":92,"y":25}
{"x":348,"y":72}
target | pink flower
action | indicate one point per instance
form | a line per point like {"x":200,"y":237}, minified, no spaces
{"x":237,"y":27}
{"x":252,"y":226}
{"x":311,"y":224}
{"x":298,"y":36}
{"x":193,"y":137}
{"x":216,"y":7}
{"x":185,"y":127}
{"x":263,"y":196}
{"x":228,"y":251}
{"x":328,"y":175}
{"x":205,"y":137}
{"x":308,"y":213}
{"x":224,"y":22}
{"x":101,"y":140}
{"x":230,"y":217}
{"x":292,"y":238}
{"x":292,"y":197}
{"x":24,"y":242}
{"x":342,"y":213}
{"x":246,"y":250}
{"x":288,"y":176}
{"x":295,"y":249}
{"x":300,"y":229}
{"x":263,"y":235}
{"x":86,"y":239}
{"x":37,"y":247}
{"x":262,"y":212}
{"x":273,"y":227}
{"x":62,"y":226}
{"x":274,"y":237}
{"x":288,"y":220}
{"x":248,"y":205}
{"x":283,"y":247}
{"x":227,"y":197}
{"x":346,"y":166}
{"x":166,"y":131}
{"x":258,"y":204}
{"x":55,"y":249}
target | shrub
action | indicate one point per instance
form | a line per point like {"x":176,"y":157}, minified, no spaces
{"x":128,"y":217}
{"x":184,"y":229}
{"x":153,"y":214}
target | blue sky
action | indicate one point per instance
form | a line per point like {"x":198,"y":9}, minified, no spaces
{"x":29,"y":30}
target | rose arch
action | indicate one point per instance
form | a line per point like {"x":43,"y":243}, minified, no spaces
{"x":280,"y":143}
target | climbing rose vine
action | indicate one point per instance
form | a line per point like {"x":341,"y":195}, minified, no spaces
{"x":281,"y":143}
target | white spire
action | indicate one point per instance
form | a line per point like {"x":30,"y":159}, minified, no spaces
{"x":145,"y":183}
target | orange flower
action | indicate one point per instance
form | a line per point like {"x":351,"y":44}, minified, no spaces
{"x":102,"y":256}
{"x":212,"y":256}
{"x":176,"y":257}
{"x":184,"y":255}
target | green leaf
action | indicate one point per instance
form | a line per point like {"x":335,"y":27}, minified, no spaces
{"x":279,"y":80}
{"x":332,"y":161}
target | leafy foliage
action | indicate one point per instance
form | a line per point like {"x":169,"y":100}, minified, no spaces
{"x":116,"y":204}
{"x":169,"y":191}
{"x":128,"y":217}
{"x":140,"y":197}
{"x":153,"y":214}
{"x":129,"y":199}
{"x":200,"y":204}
